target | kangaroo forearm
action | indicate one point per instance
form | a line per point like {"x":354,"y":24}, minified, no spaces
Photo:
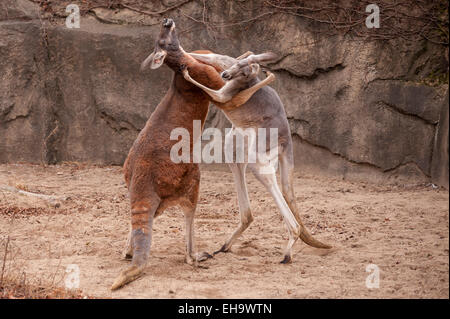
{"x":243,"y":96}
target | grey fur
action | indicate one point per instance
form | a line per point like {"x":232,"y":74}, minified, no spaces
{"x":263,"y":110}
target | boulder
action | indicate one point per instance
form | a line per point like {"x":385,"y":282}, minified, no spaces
{"x":18,"y":10}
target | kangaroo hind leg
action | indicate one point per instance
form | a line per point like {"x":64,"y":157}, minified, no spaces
{"x":244,"y":205}
{"x":143,"y":209}
{"x":287,"y":186}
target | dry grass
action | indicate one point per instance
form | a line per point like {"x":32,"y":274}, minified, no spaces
{"x":14,"y":283}
{"x":18,"y":287}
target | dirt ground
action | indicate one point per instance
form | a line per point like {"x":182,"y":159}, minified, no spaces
{"x":402,"y":229}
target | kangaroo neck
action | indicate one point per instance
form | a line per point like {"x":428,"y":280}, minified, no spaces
{"x":181,"y":106}
{"x":175,"y":58}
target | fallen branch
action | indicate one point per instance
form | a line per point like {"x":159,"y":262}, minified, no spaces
{"x":53,"y":200}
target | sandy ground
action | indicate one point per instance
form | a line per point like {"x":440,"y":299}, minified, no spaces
{"x":402,"y":229}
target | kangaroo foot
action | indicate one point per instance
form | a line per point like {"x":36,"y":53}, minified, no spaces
{"x":203,"y":256}
{"x":223,"y":249}
{"x":127,"y":256}
{"x":287,"y":260}
{"x":127,"y":276}
{"x":199,"y":257}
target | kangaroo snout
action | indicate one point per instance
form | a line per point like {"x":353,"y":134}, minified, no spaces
{"x":167,"y":22}
{"x":225,"y":75}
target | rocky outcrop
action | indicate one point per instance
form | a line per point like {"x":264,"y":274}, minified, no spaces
{"x":74,"y":94}
{"x":356,"y":108}
{"x":18,"y":10}
{"x":23,"y":102}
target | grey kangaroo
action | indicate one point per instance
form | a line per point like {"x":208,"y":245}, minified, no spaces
{"x":263,"y":110}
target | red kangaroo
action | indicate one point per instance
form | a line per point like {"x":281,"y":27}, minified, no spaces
{"x":153,"y":180}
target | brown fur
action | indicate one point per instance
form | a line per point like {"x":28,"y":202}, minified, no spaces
{"x":154,"y":181}
{"x":148,"y":167}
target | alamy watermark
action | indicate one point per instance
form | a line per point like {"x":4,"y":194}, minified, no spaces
{"x":72,"y":279}
{"x":247,"y":145}
{"x":73,"y":19}
{"x":373,"y":279}
{"x":373,"y":20}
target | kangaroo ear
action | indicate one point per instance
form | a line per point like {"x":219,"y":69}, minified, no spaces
{"x":147,"y":61}
{"x":266,"y":57}
{"x":156,"y":59}
{"x":255,"y":68}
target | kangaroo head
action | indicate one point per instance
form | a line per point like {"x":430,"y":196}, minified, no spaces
{"x":247,"y":65}
{"x":166,"y":44}
{"x":243,"y":74}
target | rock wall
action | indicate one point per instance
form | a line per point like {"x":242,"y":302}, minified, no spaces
{"x":356,"y":108}
{"x":439,"y":168}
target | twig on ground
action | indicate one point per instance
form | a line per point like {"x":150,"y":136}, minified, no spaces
{"x":53,"y":200}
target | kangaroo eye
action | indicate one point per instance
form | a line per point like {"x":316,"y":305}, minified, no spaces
{"x":162,"y":42}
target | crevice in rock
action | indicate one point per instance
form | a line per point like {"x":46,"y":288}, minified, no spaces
{"x":7,"y":115}
{"x":47,"y":73}
{"x":6,"y":110}
{"x":367,"y":164}
{"x":303,"y":140}
{"x":312,"y":76}
{"x":17,"y":117}
{"x":117,"y":125}
{"x":405,"y":164}
{"x":298,"y":120}
{"x":53,"y":128}
{"x":430,"y":160}
{"x":395,"y":108}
